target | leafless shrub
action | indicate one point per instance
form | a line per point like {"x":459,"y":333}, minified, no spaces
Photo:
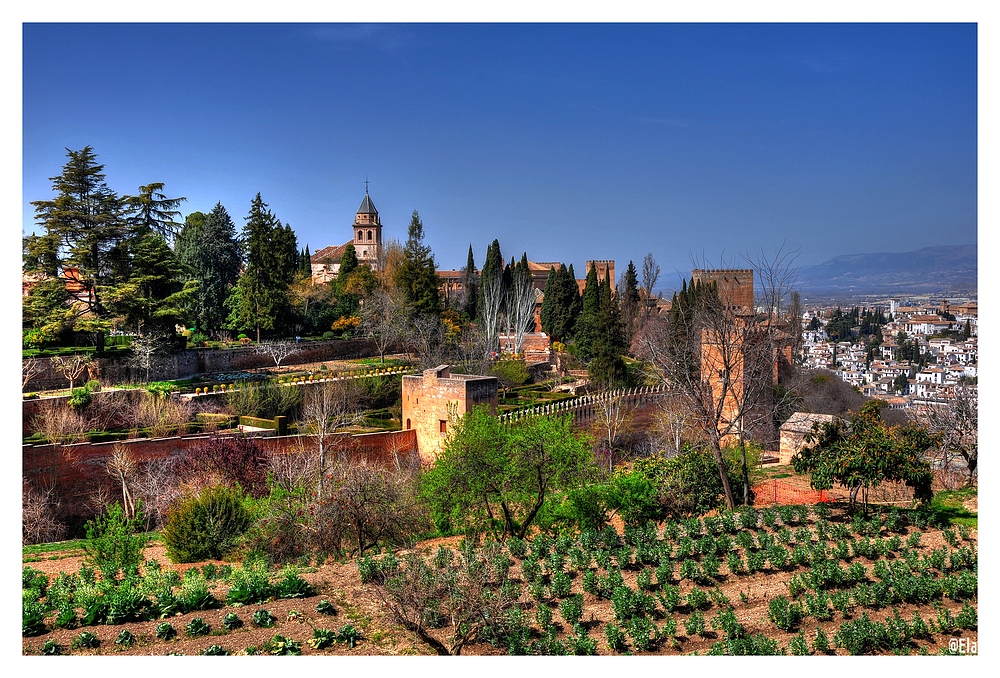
{"x":58,"y":423}
{"x":156,"y":487}
{"x":161,"y":416}
{"x":368,"y":505}
{"x":38,"y":515}
{"x":123,"y":466}
{"x":465,"y":593}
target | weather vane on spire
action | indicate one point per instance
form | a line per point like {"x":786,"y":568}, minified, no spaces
{"x":366,"y":185}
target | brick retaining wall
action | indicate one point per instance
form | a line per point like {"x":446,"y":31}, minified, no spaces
{"x":78,"y":471}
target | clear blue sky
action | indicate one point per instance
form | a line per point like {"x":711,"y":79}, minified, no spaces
{"x":695,"y":142}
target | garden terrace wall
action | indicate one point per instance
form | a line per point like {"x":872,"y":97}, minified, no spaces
{"x":184,"y":364}
{"x":78,"y":472}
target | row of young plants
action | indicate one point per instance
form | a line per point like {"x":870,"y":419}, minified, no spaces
{"x":553,"y":569}
{"x":84,"y":599}
{"x":261,"y":618}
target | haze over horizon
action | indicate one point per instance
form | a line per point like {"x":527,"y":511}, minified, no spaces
{"x":695,"y":142}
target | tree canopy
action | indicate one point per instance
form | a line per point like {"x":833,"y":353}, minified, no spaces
{"x":495,"y":478}
{"x":862,"y":452}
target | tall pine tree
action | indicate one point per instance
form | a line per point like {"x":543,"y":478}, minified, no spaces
{"x":471,"y":282}
{"x":416,"y":276}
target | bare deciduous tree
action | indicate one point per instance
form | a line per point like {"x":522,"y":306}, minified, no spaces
{"x":490,"y":311}
{"x":71,"y":366}
{"x":277,"y":350}
{"x":383,"y":319}
{"x":718,"y":358}
{"x":30,"y":368}
{"x":122,"y":466}
{"x":957,"y":425}
{"x":326,"y":408}
{"x":520,"y":306}
{"x":160,"y":415}
{"x":147,"y":352}
{"x":58,"y":423}
{"x":613,"y":414}
{"x":650,"y":274}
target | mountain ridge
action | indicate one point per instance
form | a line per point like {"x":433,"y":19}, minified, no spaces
{"x":938,"y":268}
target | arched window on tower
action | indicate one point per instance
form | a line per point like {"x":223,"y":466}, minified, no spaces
{"x":369,"y":235}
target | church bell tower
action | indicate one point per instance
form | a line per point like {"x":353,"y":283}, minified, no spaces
{"x":367,"y":232}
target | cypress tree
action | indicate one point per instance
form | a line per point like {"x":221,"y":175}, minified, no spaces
{"x":417,"y":273}
{"x":588,"y":316}
{"x":471,"y":282}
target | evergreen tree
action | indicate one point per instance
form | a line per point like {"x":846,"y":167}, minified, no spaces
{"x":151,"y":295}
{"x":607,"y":368}
{"x":471,"y":282}
{"x":561,"y":305}
{"x":207,"y":245}
{"x":259,"y":299}
{"x":416,"y":276}
{"x":153,"y":211}
{"x":83,"y":224}
{"x":305,"y":262}
{"x":629,"y":302}
{"x":588,"y":317}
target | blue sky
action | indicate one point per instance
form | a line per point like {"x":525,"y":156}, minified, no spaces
{"x":695,"y":142}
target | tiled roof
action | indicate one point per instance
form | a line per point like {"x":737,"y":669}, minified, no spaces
{"x":366,"y":206}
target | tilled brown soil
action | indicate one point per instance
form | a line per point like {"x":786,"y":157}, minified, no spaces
{"x":359,"y":605}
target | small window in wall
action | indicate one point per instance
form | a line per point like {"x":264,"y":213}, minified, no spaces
{"x":407,"y":424}
{"x":443,"y":425}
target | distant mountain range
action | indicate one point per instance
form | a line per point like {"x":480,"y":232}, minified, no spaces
{"x":931,"y":270}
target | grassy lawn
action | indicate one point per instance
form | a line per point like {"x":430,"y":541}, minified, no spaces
{"x":947,"y":504}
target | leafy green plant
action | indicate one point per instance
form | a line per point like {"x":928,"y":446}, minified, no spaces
{"x":86,"y":639}
{"x":280,"y":645}
{"x":165,"y":631}
{"x":697,"y":599}
{"x":249,"y":583}
{"x":231,"y":621}
{"x":115,"y":542}
{"x":615,"y":637}
{"x":291,"y":585}
{"x":821,"y":643}
{"x":571,"y":608}
{"x":375,"y":570}
{"x":350,"y":635}
{"x":215,"y":651}
{"x":640,"y":630}
{"x":51,"y":648}
{"x":126,"y":638}
{"x":322,"y":638}
{"x":263,"y":618}
{"x":785,"y":614}
{"x":798,"y":645}
{"x":326,"y":607}
{"x":197,"y":627}
{"x":967,"y":618}
{"x":32,"y":614}
{"x":695,"y":624}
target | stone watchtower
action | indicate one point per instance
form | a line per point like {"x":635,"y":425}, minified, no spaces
{"x":367,"y":232}
{"x":432,"y":400}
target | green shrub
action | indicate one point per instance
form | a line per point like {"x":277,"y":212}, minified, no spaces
{"x":785,"y":614}
{"x":615,"y":637}
{"x":32,"y":614}
{"x":206,"y":526}
{"x":114,"y":542}
{"x":291,"y":585}
{"x":694,"y":625}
